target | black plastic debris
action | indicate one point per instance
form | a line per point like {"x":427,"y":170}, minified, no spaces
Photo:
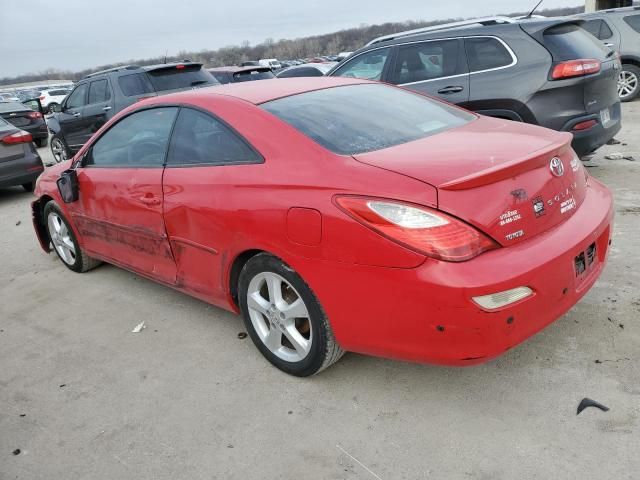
{"x":613,"y":141}
{"x":242,"y":335}
{"x":16,"y":451}
{"x":587,"y":402}
{"x":18,"y":223}
{"x":63,"y":385}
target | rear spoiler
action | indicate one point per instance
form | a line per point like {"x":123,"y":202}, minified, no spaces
{"x":536,"y":28}
{"x":175,"y":66}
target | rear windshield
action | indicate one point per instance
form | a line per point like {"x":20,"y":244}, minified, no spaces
{"x":570,"y":42}
{"x":173,"y":78}
{"x":355,"y":119}
{"x":253,"y":75}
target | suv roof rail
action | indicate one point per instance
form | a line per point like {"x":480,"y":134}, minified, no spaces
{"x":113,"y":69}
{"x":445,"y":26}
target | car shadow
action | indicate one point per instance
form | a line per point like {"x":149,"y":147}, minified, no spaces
{"x":8,"y":194}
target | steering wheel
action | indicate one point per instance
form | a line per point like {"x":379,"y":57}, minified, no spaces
{"x":147,"y":151}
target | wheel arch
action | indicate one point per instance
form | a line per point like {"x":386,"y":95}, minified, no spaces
{"x":631,"y":60}
{"x":234,"y":271}
{"x":37,"y":212}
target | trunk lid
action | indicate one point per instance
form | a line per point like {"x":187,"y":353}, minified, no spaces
{"x":496,"y":175}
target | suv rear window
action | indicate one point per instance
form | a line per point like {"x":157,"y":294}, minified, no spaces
{"x":485,"y":53}
{"x":633,"y":21}
{"x":569,"y":41}
{"x":176,"y":77}
{"x":355,"y":119}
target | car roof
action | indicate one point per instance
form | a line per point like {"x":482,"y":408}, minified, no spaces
{"x":260,"y":92}
{"x":12,"y":107}
{"x":608,"y":12}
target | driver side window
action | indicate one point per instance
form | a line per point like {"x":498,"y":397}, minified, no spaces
{"x":78,"y":97}
{"x":138,"y":140}
{"x":368,"y":66}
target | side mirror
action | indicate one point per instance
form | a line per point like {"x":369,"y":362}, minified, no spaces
{"x":68,"y":186}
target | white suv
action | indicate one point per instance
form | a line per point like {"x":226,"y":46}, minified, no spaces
{"x":52,"y":99}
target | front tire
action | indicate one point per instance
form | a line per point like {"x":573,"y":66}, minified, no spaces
{"x":65,"y":242}
{"x":628,"y":82}
{"x":29,"y":186}
{"x":284,"y":318}
{"x":59,"y":149}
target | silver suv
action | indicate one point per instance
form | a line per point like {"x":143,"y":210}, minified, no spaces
{"x":619,"y":29}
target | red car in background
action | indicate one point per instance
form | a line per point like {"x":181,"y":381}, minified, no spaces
{"x":337,"y":215}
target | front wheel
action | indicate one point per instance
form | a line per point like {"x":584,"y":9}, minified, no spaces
{"x":284,"y":318}
{"x":628,"y":82}
{"x":65,"y":242}
{"x":59,"y":149}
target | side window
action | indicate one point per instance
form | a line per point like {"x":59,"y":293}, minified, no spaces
{"x":301,"y":72}
{"x":78,"y":97}
{"x":486,"y":53}
{"x":368,"y":66}
{"x":199,"y":138}
{"x":135,"y":84}
{"x":598,"y":28}
{"x":99,"y":91}
{"x":139,"y":140}
{"x":426,"y":61}
{"x":633,"y":21}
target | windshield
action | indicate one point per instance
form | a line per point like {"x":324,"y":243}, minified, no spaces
{"x":174,"y":78}
{"x":355,"y":119}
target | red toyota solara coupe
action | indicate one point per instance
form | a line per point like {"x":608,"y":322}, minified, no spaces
{"x":337,"y":215}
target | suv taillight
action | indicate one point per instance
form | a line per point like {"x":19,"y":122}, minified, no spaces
{"x":18,"y":137}
{"x":34,"y":115}
{"x":575,"y":68}
{"x":421,"y":229}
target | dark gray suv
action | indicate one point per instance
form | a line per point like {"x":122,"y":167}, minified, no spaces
{"x":99,"y":96}
{"x":619,"y":29}
{"x":548,"y":72}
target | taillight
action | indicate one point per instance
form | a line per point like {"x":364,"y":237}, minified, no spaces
{"x":586,"y":125}
{"x":18,"y":137}
{"x":575,"y":68}
{"x":418,"y":228}
{"x":179,"y":67}
{"x":41,"y":97}
{"x":34,"y":115}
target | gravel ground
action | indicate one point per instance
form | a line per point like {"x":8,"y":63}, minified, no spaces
{"x":81,"y":397}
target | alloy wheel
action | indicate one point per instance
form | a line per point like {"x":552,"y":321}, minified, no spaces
{"x":58,"y":150}
{"x":627,"y":84}
{"x":279,"y":316}
{"x":61,"y":239}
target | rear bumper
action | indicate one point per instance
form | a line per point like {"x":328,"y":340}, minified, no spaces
{"x":426,"y":314}
{"x":586,"y":141}
{"x":23,"y":170}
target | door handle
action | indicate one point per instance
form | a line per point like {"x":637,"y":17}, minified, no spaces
{"x":608,"y":44}
{"x":150,"y":200}
{"x":106,"y":109}
{"x":75,"y":114}
{"x":450,"y":90}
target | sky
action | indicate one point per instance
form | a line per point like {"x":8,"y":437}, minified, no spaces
{"x":36,"y":35}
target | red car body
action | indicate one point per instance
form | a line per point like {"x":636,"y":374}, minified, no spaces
{"x":191,"y":228}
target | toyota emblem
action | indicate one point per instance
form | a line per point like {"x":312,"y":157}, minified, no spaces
{"x":556,"y":167}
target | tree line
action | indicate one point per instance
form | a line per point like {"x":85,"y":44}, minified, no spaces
{"x":286,"y":49}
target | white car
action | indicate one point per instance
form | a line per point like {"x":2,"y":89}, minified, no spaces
{"x":51,"y":99}
{"x":272,"y":63}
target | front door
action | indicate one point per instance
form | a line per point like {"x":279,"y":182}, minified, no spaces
{"x":99,"y":106}
{"x":71,"y":117}
{"x":119,"y":214}
{"x":436,"y":67}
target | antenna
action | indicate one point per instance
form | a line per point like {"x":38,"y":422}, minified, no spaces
{"x":534,"y":9}
{"x":167,"y":51}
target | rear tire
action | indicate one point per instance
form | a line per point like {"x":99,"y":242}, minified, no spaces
{"x":53,"y":107}
{"x":289,"y":327}
{"x":65,"y":242}
{"x":28,"y":186}
{"x":629,"y":82}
